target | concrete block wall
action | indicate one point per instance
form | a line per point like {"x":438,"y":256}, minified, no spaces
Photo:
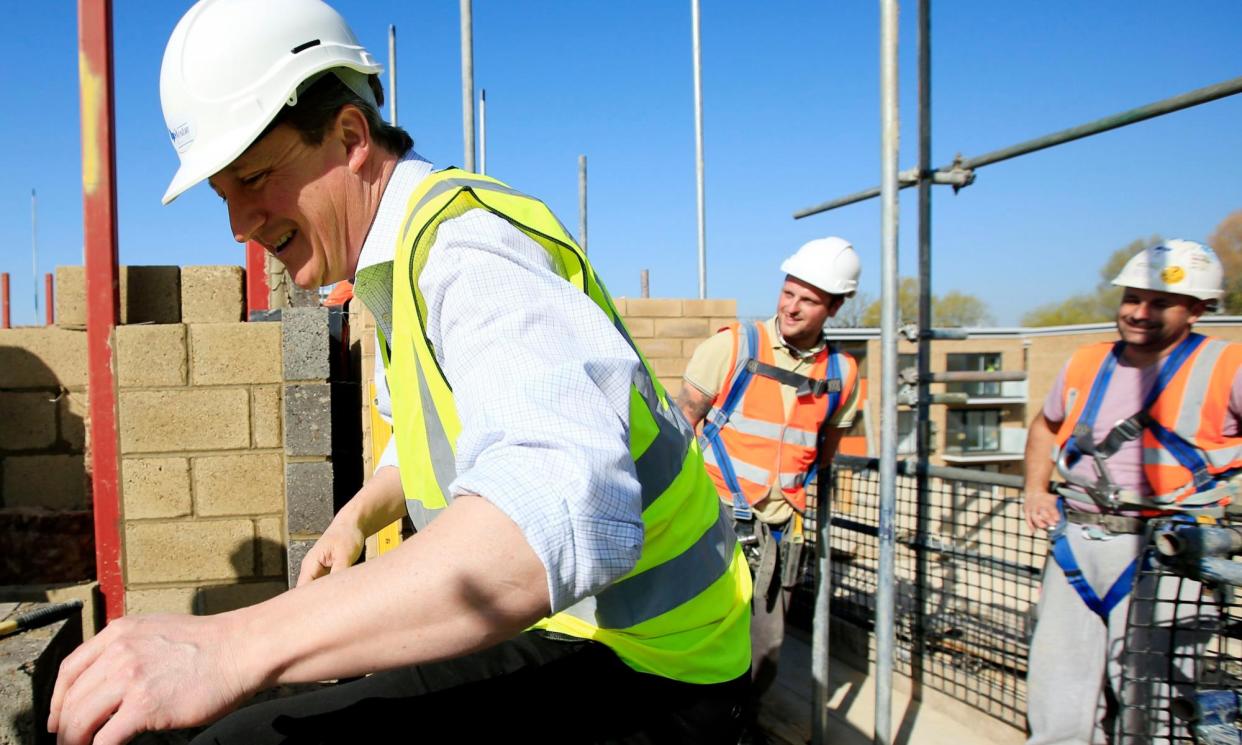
{"x":668,"y":330}
{"x":202,"y":462}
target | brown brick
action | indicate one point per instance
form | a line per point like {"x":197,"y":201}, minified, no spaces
{"x":689,"y":346}
{"x":150,"y":356}
{"x":234,"y":353}
{"x":191,"y":419}
{"x":621,"y":304}
{"x":270,"y":533}
{"x":42,"y":357}
{"x":189,"y":550}
{"x":709,"y":308}
{"x":71,"y":296}
{"x":155,"y":487}
{"x":53,"y":481}
{"x":653,"y":348}
{"x":265,"y":416}
{"x":653,"y":308}
{"x":249,"y":484}
{"x":74,"y":411}
{"x":672,"y":385}
{"x":681,"y":328}
{"x":668,"y":368}
{"x":715,"y":324}
{"x":211,"y":294}
{"x":223,"y":598}
{"x":159,"y":600}
{"x":27,"y":420}
{"x":640,"y":327}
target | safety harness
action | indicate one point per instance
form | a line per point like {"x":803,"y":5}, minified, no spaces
{"x":746,"y":372}
{"x":1104,"y":492}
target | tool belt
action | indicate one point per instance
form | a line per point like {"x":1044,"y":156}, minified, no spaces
{"x":1119,"y":524}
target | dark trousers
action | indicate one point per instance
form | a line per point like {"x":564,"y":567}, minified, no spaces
{"x":531,"y":688}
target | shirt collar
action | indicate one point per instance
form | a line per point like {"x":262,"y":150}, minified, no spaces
{"x":380,"y":245}
{"x":778,"y":341}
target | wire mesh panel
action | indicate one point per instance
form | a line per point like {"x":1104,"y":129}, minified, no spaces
{"x":1181,"y":669}
{"x":967,"y":571}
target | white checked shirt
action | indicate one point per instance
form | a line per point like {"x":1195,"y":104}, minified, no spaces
{"x":541,"y":380}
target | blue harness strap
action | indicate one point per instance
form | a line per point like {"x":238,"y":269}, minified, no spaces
{"x":834,"y":403}
{"x":711,"y":430}
{"x":1064,"y":556}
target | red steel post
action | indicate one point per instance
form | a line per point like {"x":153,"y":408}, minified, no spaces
{"x":49,"y":298}
{"x":257,"y":291}
{"x":4,"y":301}
{"x":96,"y":86}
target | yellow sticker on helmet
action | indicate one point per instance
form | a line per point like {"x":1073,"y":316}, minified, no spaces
{"x":1171,"y":275}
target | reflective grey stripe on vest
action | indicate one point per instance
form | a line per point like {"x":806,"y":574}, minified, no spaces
{"x":743,"y":470}
{"x":440,"y":450}
{"x":1190,"y":416}
{"x":450,"y":184}
{"x":665,"y":586}
{"x":772,"y":431}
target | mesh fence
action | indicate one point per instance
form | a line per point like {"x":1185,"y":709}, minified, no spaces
{"x":1182,"y":660}
{"x":967,"y":573}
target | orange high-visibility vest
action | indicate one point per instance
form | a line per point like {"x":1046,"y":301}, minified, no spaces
{"x":1187,"y":435}
{"x":750,"y":445}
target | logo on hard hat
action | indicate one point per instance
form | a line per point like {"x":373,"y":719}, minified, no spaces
{"x":1171,"y":275}
{"x":182,"y":136}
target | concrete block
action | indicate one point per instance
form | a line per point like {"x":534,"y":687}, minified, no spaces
{"x":155,"y":487}
{"x":640,"y":327}
{"x":29,"y":663}
{"x":212,"y":294}
{"x":148,"y":294}
{"x":139,"y":601}
{"x":305,"y":342}
{"x":308,"y":497}
{"x":190,"y":419}
{"x":682,"y":328}
{"x":74,"y":410}
{"x":672,"y":386}
{"x":265,"y":416}
{"x":270,"y":533}
{"x":247,"y":484}
{"x":57,"y":482}
{"x":308,"y":419}
{"x":297,"y":552}
{"x":670,"y":368}
{"x":224,"y":598}
{"x":653,"y":348}
{"x":620,"y":304}
{"x":42,"y":357}
{"x":234,"y":353}
{"x":709,"y":308}
{"x":27,"y":420}
{"x":188,"y":550}
{"x":716,"y":324}
{"x":151,"y":294}
{"x":653,"y":308}
{"x":150,"y":356}
{"x":45,"y":547}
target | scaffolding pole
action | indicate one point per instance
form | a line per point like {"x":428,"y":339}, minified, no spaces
{"x":582,"y":203}
{"x":959,"y":173}
{"x":392,"y":75}
{"x":483,"y":131}
{"x":884,"y":606}
{"x":698,"y":145}
{"x":467,"y":83}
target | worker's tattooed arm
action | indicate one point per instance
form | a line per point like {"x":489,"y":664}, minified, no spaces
{"x":693,"y":403}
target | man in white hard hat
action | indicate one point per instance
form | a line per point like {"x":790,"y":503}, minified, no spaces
{"x":573,"y":578}
{"x":1143,"y":427}
{"x":774,"y":398}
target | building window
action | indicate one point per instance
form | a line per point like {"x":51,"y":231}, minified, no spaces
{"x":974,"y":362}
{"x":973,"y":430}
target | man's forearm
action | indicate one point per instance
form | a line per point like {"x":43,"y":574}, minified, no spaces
{"x":466,"y":582}
{"x":1038,"y":454}
{"x":379,"y":502}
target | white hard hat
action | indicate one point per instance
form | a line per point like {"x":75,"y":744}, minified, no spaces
{"x":831,"y":264}
{"x":230,"y":66}
{"x":1179,"y":266}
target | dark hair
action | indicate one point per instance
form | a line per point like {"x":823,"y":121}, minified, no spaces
{"x":319,"y":104}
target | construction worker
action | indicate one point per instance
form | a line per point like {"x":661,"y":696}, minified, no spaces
{"x":1145,"y":426}
{"x":774,"y":399}
{"x":573,"y":577}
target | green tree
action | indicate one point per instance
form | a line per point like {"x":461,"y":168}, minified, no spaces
{"x":1095,"y":306}
{"x":954,"y":309}
{"x":1226,"y":240}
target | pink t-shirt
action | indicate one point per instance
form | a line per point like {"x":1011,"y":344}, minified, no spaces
{"x":1126,"y":392}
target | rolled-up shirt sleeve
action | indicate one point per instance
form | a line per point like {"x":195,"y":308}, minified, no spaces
{"x":541,"y":380}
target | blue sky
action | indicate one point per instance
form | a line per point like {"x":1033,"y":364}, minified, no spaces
{"x":791,"y":116}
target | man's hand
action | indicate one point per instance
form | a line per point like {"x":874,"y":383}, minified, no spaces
{"x":338,"y":548}
{"x":1040,"y":510}
{"x":146,"y":673}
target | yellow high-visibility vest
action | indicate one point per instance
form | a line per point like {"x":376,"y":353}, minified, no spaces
{"x":683,"y":612}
